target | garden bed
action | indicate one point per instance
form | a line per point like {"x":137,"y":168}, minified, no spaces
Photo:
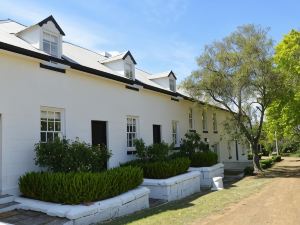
{"x":174,"y":188}
{"x":207,"y":173}
{"x":124,"y":204}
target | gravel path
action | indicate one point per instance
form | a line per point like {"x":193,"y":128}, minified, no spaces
{"x":278,"y":203}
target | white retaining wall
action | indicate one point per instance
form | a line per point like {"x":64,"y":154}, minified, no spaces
{"x":207,"y":173}
{"x":120,"y":205}
{"x":174,"y":188}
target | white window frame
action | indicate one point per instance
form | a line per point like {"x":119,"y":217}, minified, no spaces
{"x":129,"y":68}
{"x":175,"y":136}
{"x":204,"y":121}
{"x":172,"y":84}
{"x":129,"y":131}
{"x":51,"y":43}
{"x":51,"y":110}
{"x":215,"y":122}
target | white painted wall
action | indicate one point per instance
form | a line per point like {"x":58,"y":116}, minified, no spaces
{"x":83,"y":97}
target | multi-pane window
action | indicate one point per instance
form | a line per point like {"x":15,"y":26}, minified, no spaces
{"x":175,"y":133}
{"x":172,"y":85}
{"x":204,"y":121}
{"x":50,"y":44}
{"x":51,"y":125}
{"x":129,"y":70}
{"x":131,"y":131}
{"x":215,"y":123}
{"x":191,"y":120}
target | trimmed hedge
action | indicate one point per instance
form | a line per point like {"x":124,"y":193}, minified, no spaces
{"x":266,"y":163}
{"x":83,"y":187}
{"x":162,"y":169}
{"x":276,"y":158}
{"x":203,"y":159}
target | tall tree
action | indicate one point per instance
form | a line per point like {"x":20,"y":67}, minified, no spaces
{"x":238,"y":74}
{"x":283,"y":116}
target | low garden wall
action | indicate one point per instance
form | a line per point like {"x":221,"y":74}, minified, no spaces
{"x":207,"y":173}
{"x":124,"y":204}
{"x":174,"y":188}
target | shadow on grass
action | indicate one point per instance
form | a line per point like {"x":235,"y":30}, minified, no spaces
{"x":167,"y":206}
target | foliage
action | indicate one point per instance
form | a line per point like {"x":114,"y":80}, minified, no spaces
{"x":203,"y":159}
{"x":266,"y":163}
{"x":192,"y":143}
{"x":71,"y":156}
{"x":276,"y":158}
{"x":238,"y":74}
{"x":79,"y":187}
{"x":283,"y":116}
{"x":154,"y":152}
{"x":161,"y":169}
{"x":249,"y":171}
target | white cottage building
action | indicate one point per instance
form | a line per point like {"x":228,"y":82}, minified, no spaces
{"x":49,"y":88}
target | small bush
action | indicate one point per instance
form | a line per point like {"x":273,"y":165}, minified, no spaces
{"x":162,"y":169}
{"x":203,"y":159}
{"x":249,"y":171}
{"x":66,"y":156}
{"x":276,"y":158}
{"x":266,"y":163}
{"x":192,"y":143}
{"x":75,"y":188}
{"x":154,"y":152}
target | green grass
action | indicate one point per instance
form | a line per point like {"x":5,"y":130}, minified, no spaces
{"x":196,"y":207}
{"x":295,"y":154}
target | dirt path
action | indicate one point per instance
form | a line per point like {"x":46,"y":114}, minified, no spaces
{"x":277,"y":203}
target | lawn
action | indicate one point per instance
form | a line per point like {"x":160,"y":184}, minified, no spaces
{"x":195,"y":207}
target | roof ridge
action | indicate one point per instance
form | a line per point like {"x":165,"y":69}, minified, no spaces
{"x":11,"y":20}
{"x":83,"y":48}
{"x":144,"y":71}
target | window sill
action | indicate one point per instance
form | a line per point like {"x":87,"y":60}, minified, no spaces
{"x":205,"y":131}
{"x":193,"y":131}
{"x":215,"y":132}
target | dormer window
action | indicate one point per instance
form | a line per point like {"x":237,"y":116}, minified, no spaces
{"x":50,"y":44}
{"x":172,"y":84}
{"x":129,"y":70}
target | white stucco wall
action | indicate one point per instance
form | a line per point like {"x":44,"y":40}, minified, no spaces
{"x":25,"y":88}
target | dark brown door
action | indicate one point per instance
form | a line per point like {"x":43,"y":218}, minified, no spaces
{"x":99,"y":133}
{"x":156,"y":134}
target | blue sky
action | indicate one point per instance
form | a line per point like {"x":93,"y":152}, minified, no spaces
{"x":161,"y":34}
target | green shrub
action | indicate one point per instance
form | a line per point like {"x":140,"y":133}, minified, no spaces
{"x":154,"y":152}
{"x":192,"y":143}
{"x":203,"y":159}
{"x":66,"y":156}
{"x":276,"y":158}
{"x":249,"y":171}
{"x":266,"y":163}
{"x":161,"y":169}
{"x":75,"y":188}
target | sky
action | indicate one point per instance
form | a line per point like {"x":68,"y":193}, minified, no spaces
{"x":162,"y":35}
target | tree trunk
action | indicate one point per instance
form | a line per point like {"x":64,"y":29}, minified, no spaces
{"x":256,"y":164}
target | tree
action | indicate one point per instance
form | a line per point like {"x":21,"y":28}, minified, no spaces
{"x":238,"y":74}
{"x":283,"y":115}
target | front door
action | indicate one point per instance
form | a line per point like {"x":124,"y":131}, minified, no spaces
{"x":156,"y":134}
{"x":99,"y":136}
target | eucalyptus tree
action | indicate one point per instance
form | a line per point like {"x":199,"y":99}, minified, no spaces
{"x":238,"y":74}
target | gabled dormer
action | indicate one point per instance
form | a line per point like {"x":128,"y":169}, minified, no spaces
{"x":45,"y":35}
{"x":165,"y":79}
{"x":123,"y":63}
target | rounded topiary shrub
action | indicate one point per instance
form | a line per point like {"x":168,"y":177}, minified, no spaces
{"x":204,"y":159}
{"x":75,"y":188}
{"x":162,"y":169}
